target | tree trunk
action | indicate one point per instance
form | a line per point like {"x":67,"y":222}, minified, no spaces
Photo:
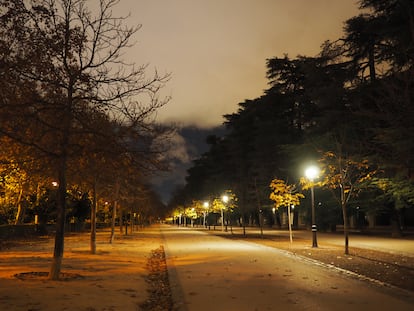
{"x":93,"y":220}
{"x":60,"y":222}
{"x":396,"y":231}
{"x":244,"y":225}
{"x":345,"y":216}
{"x":371,"y":63}
{"x":131,"y":221}
{"x":259,"y":207}
{"x":261,"y":223}
{"x":346,"y":233}
{"x":112,"y":238}
{"x":121,"y":222}
{"x":20,"y":209}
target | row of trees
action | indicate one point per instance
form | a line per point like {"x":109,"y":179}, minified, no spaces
{"x":350,"y":108}
{"x":207,"y":212}
{"x":73,"y":111}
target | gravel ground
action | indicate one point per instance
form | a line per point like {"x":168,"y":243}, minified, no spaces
{"x":385,"y":268}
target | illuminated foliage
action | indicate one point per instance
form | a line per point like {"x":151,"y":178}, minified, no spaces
{"x":178,"y":211}
{"x":401,"y":191}
{"x":345,"y":177}
{"x":348,"y":175}
{"x":20,"y":175}
{"x":284,"y":194}
{"x":218,"y":204}
{"x":191,"y":212}
{"x":11,"y":179}
{"x":196,"y":209}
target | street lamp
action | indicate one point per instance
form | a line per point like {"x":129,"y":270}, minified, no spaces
{"x":290,"y":220}
{"x":225,"y":199}
{"x":311,"y":173}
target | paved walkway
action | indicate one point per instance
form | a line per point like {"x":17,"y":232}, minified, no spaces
{"x":207,"y":272}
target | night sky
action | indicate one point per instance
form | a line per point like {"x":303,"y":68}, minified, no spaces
{"x":216,"y":49}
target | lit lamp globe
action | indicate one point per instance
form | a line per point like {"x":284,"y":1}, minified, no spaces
{"x":312,"y":172}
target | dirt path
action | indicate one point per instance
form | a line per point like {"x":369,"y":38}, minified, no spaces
{"x":113,"y":279}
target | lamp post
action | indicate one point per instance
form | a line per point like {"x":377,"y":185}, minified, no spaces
{"x":311,"y":173}
{"x":290,"y":221}
{"x":225,"y":199}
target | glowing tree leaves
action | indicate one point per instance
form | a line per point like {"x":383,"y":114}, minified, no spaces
{"x":346,"y":177}
{"x":284,"y":194}
{"x":219,"y":204}
{"x":346,"y":174}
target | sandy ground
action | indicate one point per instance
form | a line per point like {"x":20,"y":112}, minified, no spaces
{"x":112,"y":279}
{"x":129,"y":274}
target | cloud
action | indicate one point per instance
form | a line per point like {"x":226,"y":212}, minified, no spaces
{"x":178,"y":151}
{"x":187,"y":144}
{"x":179,"y":159}
{"x":216,"y":50}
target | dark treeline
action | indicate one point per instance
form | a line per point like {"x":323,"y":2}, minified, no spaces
{"x":352,"y":102}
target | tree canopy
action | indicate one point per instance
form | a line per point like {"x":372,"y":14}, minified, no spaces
{"x":69,"y":97}
{"x":353,"y":100}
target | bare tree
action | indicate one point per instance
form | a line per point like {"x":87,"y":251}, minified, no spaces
{"x":59,"y":61}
